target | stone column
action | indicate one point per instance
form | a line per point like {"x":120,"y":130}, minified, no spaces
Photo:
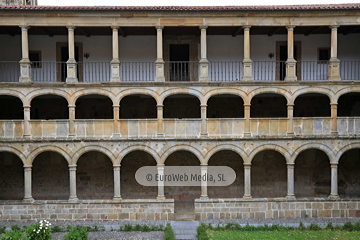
{"x":25,"y":64}
{"x":290,"y":181}
{"x":116,"y":110}
{"x":334,"y":118}
{"x":334,"y":62}
{"x":71,"y":63}
{"x":115,"y":62}
{"x":204,"y":131}
{"x":117,"y":187}
{"x":204,"y":193}
{"x":73,"y":197}
{"x":290,"y":126}
{"x":160,"y":64}
{"x":160,"y":172}
{"x":27,"y":132}
{"x":290,"y":62}
{"x":203,"y":63}
{"x":247,"y":63}
{"x":247,"y":132}
{"x":334,"y":181}
{"x":247,"y":181}
{"x":27,"y":183}
{"x":72,"y":121}
{"x":160,"y":123}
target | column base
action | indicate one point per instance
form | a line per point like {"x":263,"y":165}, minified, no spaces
{"x":334,"y":70}
{"x":115,"y":79}
{"x":72,"y":80}
{"x":248,"y":197}
{"x":290,"y":197}
{"x":159,"y":79}
{"x":116,"y":135}
{"x":247,"y":134}
{"x":247,"y":79}
{"x":204,"y":134}
{"x":247,"y":70}
{"x":71,"y":136}
{"x":290,"y":70}
{"x":160,"y":197}
{"x":204,"y":197}
{"x":28,"y":200}
{"x":73,"y":199}
{"x":117,"y":198}
{"x":26,"y":136}
{"x":160,"y":134}
{"x":333,"y":197}
{"x":204,"y":70}
{"x":334,"y":133}
{"x":25,"y":79}
{"x":290,"y":134}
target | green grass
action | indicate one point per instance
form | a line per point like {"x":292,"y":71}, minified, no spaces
{"x":281,"y":235}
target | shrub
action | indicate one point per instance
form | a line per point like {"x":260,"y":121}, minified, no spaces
{"x":169,"y":233}
{"x":301,"y":226}
{"x":201,"y":233}
{"x":314,"y":227}
{"x":77,"y":233}
{"x":16,"y":227}
{"x":329,"y":226}
{"x":357,"y":226}
{"x":13,"y":235}
{"x":348,"y":227}
{"x":39,"y":231}
{"x":2,"y":229}
{"x":55,"y":229}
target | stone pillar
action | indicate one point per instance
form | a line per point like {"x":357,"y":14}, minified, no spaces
{"x":247,"y":132}
{"x":203,"y":63}
{"x":27,"y":183}
{"x":117,"y":187}
{"x":290,"y":62}
{"x":334,"y":118}
{"x":204,"y":193}
{"x":204,"y":131}
{"x":71,"y":63}
{"x":334,"y":181}
{"x":160,"y":123}
{"x":72,"y":121}
{"x":160,"y":172}
{"x":116,"y":110}
{"x":290,"y":126}
{"x":73,"y":197}
{"x":27,"y":132}
{"x":334,"y":62}
{"x":247,"y":63}
{"x":25,"y":64}
{"x":290,"y":181}
{"x":115,"y":62}
{"x":247,"y":181}
{"x":160,"y":64}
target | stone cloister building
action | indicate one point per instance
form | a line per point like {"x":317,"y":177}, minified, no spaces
{"x":89,"y":95}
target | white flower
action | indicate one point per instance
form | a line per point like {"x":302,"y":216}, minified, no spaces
{"x":34,"y":230}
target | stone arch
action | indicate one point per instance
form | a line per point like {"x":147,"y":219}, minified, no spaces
{"x":320,"y":90}
{"x":143,"y":148}
{"x":47,"y":148}
{"x":15,"y":93}
{"x":134,"y":91}
{"x":56,"y":92}
{"x":138,"y":106}
{"x":221,"y":91}
{"x":175,"y":91}
{"x":15,"y":151}
{"x":344,"y":149}
{"x":84,"y":92}
{"x":286,"y":154}
{"x":225,"y":147}
{"x":322,"y":147}
{"x":276,"y":90}
{"x":93,"y":148}
{"x":12,"y":107}
{"x":181,"y":147}
{"x":346,"y":90}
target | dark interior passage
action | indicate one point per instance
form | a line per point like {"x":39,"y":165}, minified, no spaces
{"x":225,"y":106}
{"x":182,"y":106}
{"x":138,"y":107}
{"x":312,"y":105}
{"x":349,"y":105}
{"x":11,"y":108}
{"x":94,"y":107}
{"x":11,"y":177}
{"x":49,"y":107}
{"x":349,"y":174}
{"x":268,"y":105}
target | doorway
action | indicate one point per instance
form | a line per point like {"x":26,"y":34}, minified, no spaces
{"x":62,"y":56}
{"x":179,"y":62}
{"x":281,"y":57}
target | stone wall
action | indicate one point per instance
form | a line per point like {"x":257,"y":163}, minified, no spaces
{"x":238,"y":208}
{"x":87,"y":210}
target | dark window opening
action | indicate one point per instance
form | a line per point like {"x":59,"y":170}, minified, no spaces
{"x":35,"y":59}
{"x":268,"y":105}
{"x":182,"y":106}
{"x":49,"y":107}
{"x":312,"y":105}
{"x":94,"y":107}
{"x":323,"y":55}
{"x":11,"y":108}
{"x":64,"y":58}
{"x":179,"y":66}
{"x":138,"y":107}
{"x":225,"y":106}
{"x":349,"y":105}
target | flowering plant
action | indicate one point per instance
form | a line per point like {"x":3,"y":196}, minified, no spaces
{"x":39,"y":231}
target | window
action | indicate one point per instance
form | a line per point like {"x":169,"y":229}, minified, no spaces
{"x":35,"y":59}
{"x":323,"y":55}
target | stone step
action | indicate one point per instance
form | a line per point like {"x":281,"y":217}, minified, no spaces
{"x":185,"y":229}
{"x":185,"y":237}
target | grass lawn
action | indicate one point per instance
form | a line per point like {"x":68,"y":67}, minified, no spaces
{"x":278,"y":235}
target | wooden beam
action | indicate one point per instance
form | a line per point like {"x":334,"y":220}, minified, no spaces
{"x":83,"y":31}
{"x":275,"y":30}
{"x":122,"y":31}
{"x":351,"y":30}
{"x":237,"y":32}
{"x":46,"y":31}
{"x":314,"y":30}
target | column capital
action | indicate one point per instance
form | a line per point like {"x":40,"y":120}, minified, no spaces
{"x":71,"y":106}
{"x":72,"y":167}
{"x":334,"y":27}
{"x":24,"y":27}
{"x":159,"y":105}
{"x":114,"y":27}
{"x":160,"y":165}
{"x":116,"y":167}
{"x":333,"y":104}
{"x":203,"y":27}
{"x":203,"y":105}
{"x":26,"y":107}
{"x":116,"y":106}
{"x":290,"y":105}
{"x":290,"y":165}
{"x":247,"y":165}
{"x":159,"y":27}
{"x":290,"y":27}
{"x":70,"y":27}
{"x":203,"y":164}
{"x":27,"y":167}
{"x":246,"y":27}
{"x":333,"y":165}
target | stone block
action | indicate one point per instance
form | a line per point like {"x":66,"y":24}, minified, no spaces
{"x":325,"y":213}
